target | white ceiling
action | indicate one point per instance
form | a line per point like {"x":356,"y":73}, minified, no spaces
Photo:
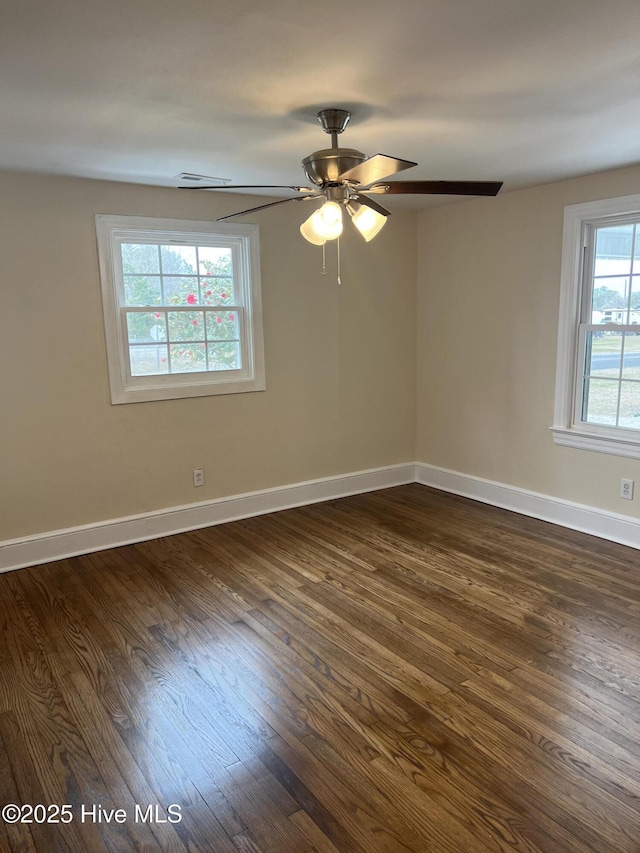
{"x":528,"y":91}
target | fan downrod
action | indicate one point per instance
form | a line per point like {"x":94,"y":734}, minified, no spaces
{"x":334,"y":121}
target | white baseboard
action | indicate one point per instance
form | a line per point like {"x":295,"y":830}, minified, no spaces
{"x":607,"y":525}
{"x":60,"y":544}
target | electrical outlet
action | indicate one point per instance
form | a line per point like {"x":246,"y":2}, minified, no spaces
{"x":626,"y":489}
{"x":198,"y":476}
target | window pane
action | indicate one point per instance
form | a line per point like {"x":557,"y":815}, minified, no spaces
{"x":606,"y":352}
{"x":217,"y":291}
{"x":222,"y":325}
{"x":630,"y":405}
{"x":142,"y":290}
{"x":215,"y":261}
{"x":631,"y":366}
{"x":186,"y":326}
{"x":188,"y":358}
{"x":610,"y":299}
{"x":140,"y":258}
{"x":179,"y":260}
{"x":180,"y":291}
{"x":224,"y":356}
{"x":143,"y":327}
{"x":601,"y":401}
{"x":613,"y":249}
{"x":618,"y":316}
{"x":148,"y":360}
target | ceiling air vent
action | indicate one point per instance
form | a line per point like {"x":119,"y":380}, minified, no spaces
{"x":202,"y":179}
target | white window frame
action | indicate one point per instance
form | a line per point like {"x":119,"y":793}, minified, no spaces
{"x":568,"y":429}
{"x":112,"y":231}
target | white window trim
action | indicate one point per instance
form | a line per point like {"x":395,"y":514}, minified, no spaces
{"x":567,"y":431}
{"x":111,"y":230}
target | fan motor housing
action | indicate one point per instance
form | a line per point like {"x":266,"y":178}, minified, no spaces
{"x":328,"y":164}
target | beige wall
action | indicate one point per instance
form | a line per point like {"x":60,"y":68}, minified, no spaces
{"x":341,"y":361}
{"x":488,"y":296}
{"x":340,"y":364}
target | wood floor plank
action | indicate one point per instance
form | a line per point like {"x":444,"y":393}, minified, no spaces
{"x":521,"y":753}
{"x":393,"y":667}
{"x":316,"y":839}
{"x":592,"y":712}
{"x":589,"y":744}
{"x":334,"y":663}
{"x":325,"y":713}
{"x":439,"y":764}
{"x":155,"y":742}
{"x":404,"y":671}
{"x":66,"y":772}
{"x":359,"y":810}
{"x":12,"y":836}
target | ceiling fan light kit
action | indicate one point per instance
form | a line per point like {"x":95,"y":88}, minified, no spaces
{"x":324,"y":224}
{"x":368,"y":221}
{"x":345,"y":177}
{"x":309,"y":232}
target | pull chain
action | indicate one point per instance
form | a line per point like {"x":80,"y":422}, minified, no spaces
{"x":324,"y":260}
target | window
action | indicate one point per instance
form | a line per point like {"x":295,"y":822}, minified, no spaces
{"x":181,"y":307}
{"x":598,"y":380}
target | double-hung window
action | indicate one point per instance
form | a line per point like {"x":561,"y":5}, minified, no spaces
{"x":598,"y":378}
{"x":181,"y":303}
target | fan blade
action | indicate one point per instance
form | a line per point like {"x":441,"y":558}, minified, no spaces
{"x":375,"y":169}
{"x":369,"y":202}
{"x":263,"y":206}
{"x":437,"y":187}
{"x":247,"y":187}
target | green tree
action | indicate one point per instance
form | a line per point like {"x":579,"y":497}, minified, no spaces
{"x":605,"y":297}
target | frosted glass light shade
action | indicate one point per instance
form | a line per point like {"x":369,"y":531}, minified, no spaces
{"x":368,"y":222}
{"x":328,"y":220}
{"x":323,"y":224}
{"x":309,"y":232}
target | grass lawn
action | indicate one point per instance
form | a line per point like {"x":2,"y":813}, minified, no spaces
{"x":603,"y":393}
{"x":612,"y":343}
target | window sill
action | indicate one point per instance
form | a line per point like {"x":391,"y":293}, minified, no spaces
{"x":144,"y":392}
{"x":596,"y":442}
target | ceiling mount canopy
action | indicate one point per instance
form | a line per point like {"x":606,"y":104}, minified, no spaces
{"x":334,"y":121}
{"x":345,"y":178}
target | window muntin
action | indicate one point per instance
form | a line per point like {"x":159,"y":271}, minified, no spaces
{"x":182,"y":307}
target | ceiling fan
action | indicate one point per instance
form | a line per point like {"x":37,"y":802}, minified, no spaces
{"x":346,"y":178}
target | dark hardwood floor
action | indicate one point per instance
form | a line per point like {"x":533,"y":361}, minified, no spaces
{"x":399,"y":671}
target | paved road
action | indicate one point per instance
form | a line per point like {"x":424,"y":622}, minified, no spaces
{"x":609,"y":360}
